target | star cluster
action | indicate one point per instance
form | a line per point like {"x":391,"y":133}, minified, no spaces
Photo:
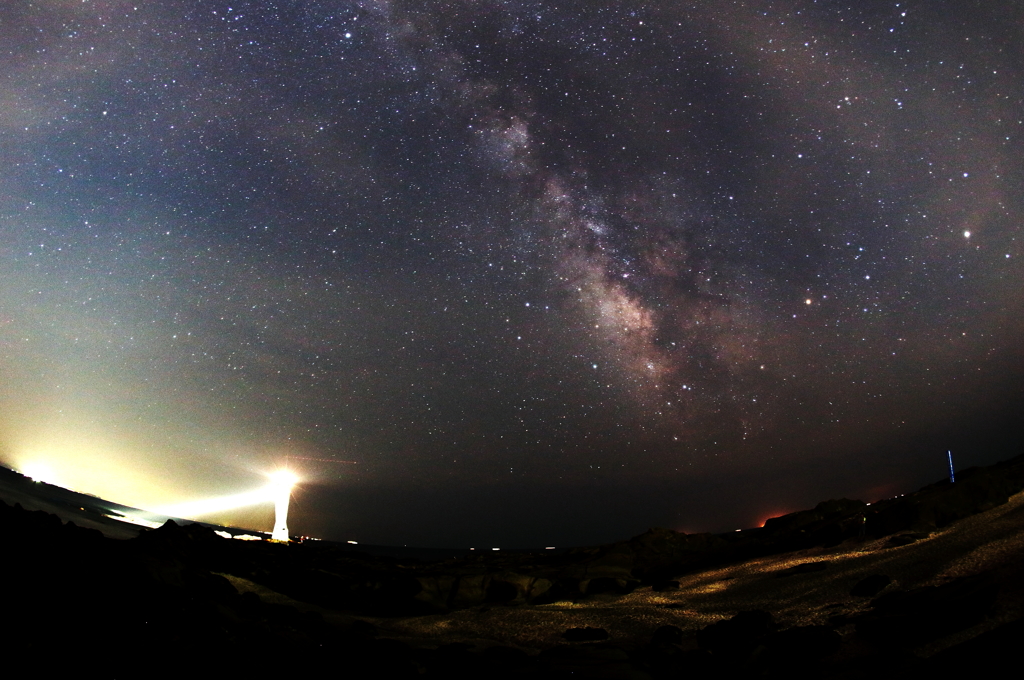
{"x":513,"y":271}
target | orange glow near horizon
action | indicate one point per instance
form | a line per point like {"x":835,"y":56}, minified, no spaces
{"x":772,"y":515}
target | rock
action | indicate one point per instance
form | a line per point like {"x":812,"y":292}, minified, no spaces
{"x":434,"y":591}
{"x":697,"y":663}
{"x":190,"y":543}
{"x":469,"y":591}
{"x":993,"y":649}
{"x":870,"y":585}
{"x":803,"y":568}
{"x":563,"y":589}
{"x":613,"y":586}
{"x":901,"y":540}
{"x":587,"y":634}
{"x":736,"y":637}
{"x":911,"y":618}
{"x":588,"y":661}
{"x":453,"y":659}
{"x":208,"y":586}
{"x":362,"y":629}
{"x":660,"y":553}
{"x":82,"y":538}
{"x":827,"y":524}
{"x":386,"y":658}
{"x":500,"y":591}
{"x":539,"y":588}
{"x":663,"y":586}
{"x":613,"y":562}
{"x":506,"y":657}
{"x":802,"y":644}
{"x":667,"y":635}
{"x":511,"y":587}
{"x":804,"y":519}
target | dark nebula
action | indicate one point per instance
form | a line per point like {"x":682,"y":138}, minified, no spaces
{"x":510,"y":273}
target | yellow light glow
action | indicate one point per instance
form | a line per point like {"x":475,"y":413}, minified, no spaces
{"x":88,"y":462}
{"x":39,"y":472}
{"x":283,"y":478}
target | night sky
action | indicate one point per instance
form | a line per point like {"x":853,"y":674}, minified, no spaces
{"x":511,"y":273}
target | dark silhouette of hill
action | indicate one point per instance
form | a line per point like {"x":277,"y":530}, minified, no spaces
{"x":926,"y":581}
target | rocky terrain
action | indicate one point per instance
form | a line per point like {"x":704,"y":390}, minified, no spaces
{"x":930,"y":580}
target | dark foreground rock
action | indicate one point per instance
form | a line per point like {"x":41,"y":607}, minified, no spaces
{"x":586,"y":634}
{"x":871,"y":585}
{"x":910,"y":618}
{"x":735,"y":639}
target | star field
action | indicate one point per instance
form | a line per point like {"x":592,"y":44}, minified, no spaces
{"x":515,"y":272}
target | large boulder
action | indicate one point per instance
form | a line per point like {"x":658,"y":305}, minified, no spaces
{"x":801,"y":645}
{"x":829,"y":523}
{"x":869,"y":586}
{"x":805,"y":519}
{"x":736,"y":638}
{"x":435,"y":591}
{"x":659,"y":553}
{"x":910,"y":618}
{"x":587,"y":661}
{"x":585,"y":634}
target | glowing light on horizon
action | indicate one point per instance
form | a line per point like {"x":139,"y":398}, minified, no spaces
{"x":81,"y":459}
{"x":39,"y":472}
{"x":283,"y":478}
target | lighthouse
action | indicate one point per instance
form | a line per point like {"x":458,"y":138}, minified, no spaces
{"x":281,"y":483}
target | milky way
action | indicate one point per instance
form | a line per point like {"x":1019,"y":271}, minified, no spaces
{"x":510,"y":272}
